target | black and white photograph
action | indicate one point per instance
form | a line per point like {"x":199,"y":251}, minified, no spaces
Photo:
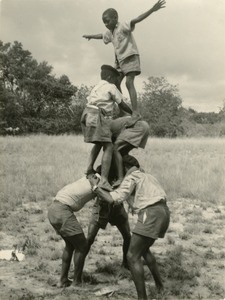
{"x":112,"y":149}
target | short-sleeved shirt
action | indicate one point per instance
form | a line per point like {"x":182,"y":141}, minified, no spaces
{"x":147,"y":189}
{"x":122,"y":40}
{"x":76,"y":194}
{"x":104,"y":95}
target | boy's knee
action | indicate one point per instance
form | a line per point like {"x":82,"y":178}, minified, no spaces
{"x":131,"y":258}
{"x":150,"y":257}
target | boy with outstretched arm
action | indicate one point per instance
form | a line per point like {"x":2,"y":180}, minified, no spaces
{"x":126,"y":51}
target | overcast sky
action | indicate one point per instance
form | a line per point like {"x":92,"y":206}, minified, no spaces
{"x":185,"y":41}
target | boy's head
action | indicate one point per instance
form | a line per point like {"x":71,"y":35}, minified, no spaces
{"x":109,"y":74}
{"x":130,"y":161}
{"x":110,"y":18}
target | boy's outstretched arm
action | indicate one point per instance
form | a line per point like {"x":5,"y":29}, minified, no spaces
{"x":160,"y":4}
{"x":125,"y":107}
{"x":93,"y":36}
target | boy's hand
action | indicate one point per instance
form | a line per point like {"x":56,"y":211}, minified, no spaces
{"x":160,"y":4}
{"x":88,"y":37}
{"x":94,"y":180}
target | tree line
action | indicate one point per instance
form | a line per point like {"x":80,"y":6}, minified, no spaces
{"x":33,"y":100}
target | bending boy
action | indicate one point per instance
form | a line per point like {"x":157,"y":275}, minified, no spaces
{"x":61,"y":215}
{"x":149,"y":203}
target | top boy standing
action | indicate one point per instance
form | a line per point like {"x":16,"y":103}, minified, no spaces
{"x":126,"y":51}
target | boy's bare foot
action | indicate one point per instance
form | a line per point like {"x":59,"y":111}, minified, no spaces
{"x":76,"y":284}
{"x":65,"y":283}
{"x":105,"y":185}
{"x":117,"y":182}
{"x":125,"y":265}
{"x":160,"y":290}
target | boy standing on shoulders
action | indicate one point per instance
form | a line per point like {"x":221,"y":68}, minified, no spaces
{"x":96,"y":120}
{"x":126,"y":51}
{"x":61,"y":216}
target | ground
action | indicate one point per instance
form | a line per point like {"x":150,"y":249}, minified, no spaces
{"x":191,"y":257}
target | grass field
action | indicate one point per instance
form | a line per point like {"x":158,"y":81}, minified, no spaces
{"x":191,"y":256}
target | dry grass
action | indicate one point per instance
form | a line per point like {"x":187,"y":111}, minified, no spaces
{"x":191,"y":258}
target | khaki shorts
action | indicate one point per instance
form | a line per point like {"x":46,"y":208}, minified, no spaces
{"x":136,"y":135}
{"x":129,"y":64}
{"x":95,"y":126}
{"x":153,"y":221}
{"x":63,"y":220}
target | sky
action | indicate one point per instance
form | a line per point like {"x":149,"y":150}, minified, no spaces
{"x":184,"y":42}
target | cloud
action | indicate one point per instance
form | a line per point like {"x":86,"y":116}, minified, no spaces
{"x":182,"y":42}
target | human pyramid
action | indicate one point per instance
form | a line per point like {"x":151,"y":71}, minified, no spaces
{"x":119,"y":178}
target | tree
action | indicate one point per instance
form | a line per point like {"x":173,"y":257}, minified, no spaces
{"x":40,"y":97}
{"x":222,"y":119}
{"x":160,"y":103}
{"x":78,"y":104}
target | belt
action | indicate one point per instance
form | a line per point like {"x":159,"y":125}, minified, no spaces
{"x":95,"y":109}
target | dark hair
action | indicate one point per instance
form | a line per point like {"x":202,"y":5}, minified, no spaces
{"x":111,"y":12}
{"x":130,"y":161}
{"x":107,"y":70}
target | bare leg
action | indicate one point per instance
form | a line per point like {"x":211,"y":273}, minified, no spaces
{"x":66,"y":261}
{"x":152,"y":265}
{"x":119,"y":80}
{"x":79,"y":258}
{"x":92,"y":158}
{"x":106,"y":163}
{"x":79,"y":243}
{"x":125,"y":231}
{"x":118,"y":163}
{"x":138,"y":245}
{"x":92,"y":232}
{"x":118,"y":146}
{"x":132,"y":91}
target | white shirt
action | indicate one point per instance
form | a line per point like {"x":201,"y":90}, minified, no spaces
{"x":147,"y":190}
{"x":76,"y":194}
{"x":122,"y":40}
{"x":105,"y":95}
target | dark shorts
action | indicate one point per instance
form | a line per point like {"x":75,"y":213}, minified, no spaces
{"x":104,"y":213}
{"x":95,"y":126}
{"x":136,"y":135}
{"x":130,"y":64}
{"x":63,"y":220}
{"x":153,"y":221}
